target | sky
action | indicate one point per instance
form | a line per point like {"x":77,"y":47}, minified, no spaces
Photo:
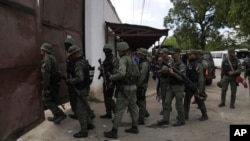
{"x":151,"y":14}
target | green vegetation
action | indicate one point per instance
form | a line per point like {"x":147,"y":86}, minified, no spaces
{"x":197,"y":24}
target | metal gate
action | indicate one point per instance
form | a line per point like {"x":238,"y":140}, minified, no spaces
{"x":24,"y":25}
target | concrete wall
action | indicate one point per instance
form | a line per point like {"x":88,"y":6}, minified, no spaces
{"x":96,"y":13}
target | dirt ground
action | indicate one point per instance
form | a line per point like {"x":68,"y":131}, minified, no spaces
{"x":214,"y":129}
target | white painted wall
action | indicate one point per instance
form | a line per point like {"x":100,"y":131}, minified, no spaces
{"x":96,"y":13}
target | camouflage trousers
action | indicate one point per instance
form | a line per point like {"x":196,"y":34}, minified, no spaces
{"x":123,"y":102}
{"x":226,"y":80}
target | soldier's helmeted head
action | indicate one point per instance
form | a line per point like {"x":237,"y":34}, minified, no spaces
{"x":231,"y":52}
{"x":122,"y":48}
{"x":176,"y":53}
{"x":193,"y":55}
{"x":47,"y":47}
{"x":107,"y":49}
{"x":142,"y":53}
{"x":74,"y":51}
{"x":68,"y":42}
{"x":164,"y":53}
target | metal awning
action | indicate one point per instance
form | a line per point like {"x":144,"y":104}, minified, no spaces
{"x":135,"y":35}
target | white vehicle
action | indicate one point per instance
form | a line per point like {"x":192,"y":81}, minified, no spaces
{"x":218,"y":57}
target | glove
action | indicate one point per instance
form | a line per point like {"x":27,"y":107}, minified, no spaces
{"x":68,"y":82}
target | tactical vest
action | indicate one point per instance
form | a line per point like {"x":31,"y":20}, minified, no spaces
{"x":191,"y":72}
{"x":147,"y":76}
{"x":172,"y":79}
{"x":86,"y":72}
{"x":55,"y":75}
{"x":108,"y":65}
{"x":70,"y":67}
{"x":132,"y":72}
{"x":226,"y":66}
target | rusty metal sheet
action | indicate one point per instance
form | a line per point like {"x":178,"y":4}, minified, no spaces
{"x":20,"y":99}
{"x":58,"y":22}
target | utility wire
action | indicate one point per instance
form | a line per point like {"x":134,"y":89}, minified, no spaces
{"x":143,"y":4}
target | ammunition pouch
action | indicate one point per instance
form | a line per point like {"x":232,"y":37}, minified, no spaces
{"x":131,"y":80}
{"x":81,"y":85}
{"x":55,"y":78}
{"x":141,"y":94}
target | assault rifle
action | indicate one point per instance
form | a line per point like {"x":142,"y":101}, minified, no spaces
{"x":75,"y":89}
{"x":102,"y":74}
{"x":189,"y":84}
{"x":118,"y":87}
{"x":55,"y":96}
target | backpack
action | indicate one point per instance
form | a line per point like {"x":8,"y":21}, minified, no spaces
{"x":132,"y":72}
{"x":88,"y":72}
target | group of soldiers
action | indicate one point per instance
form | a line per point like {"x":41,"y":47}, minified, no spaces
{"x":127,"y":81}
{"x":77,"y":81}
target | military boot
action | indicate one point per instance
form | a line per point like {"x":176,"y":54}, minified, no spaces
{"x":203,"y":118}
{"x":81,"y":134}
{"x":108,"y":116}
{"x":73,"y":116}
{"x":133,"y":129}
{"x":162,"y":122}
{"x":90,"y":126}
{"x":141,"y":121}
{"x":111,"y":134}
{"x":60,"y":118}
{"x":51,"y":118}
{"x":222,"y":104}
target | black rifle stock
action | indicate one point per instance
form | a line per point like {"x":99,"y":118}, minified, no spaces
{"x":102,"y":74}
{"x":188,"y":83}
{"x":119,"y":87}
{"x":75,"y":89}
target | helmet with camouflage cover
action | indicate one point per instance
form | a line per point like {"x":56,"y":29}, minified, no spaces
{"x":47,"y":47}
{"x":201,"y":96}
{"x":107,"y":47}
{"x":143,"y":51}
{"x":69,"y":40}
{"x":73,"y":49}
{"x":122,"y":46}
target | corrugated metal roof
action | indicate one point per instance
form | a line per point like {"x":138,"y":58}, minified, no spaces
{"x":136,"y":35}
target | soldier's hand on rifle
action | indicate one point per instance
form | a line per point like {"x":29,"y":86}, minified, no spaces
{"x":230,"y":72}
{"x":171,"y":71}
{"x":45,"y":92}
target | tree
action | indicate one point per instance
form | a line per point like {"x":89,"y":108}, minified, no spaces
{"x":194,"y":22}
{"x":171,"y":40}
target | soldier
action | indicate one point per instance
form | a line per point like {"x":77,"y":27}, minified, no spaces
{"x":126,"y":97}
{"x":230,"y":69}
{"x":164,"y":74}
{"x":109,"y":64}
{"x":80,"y":88}
{"x":142,"y":84}
{"x":50,"y":79}
{"x":69,"y":41}
{"x":195,"y":73}
{"x":175,"y":89}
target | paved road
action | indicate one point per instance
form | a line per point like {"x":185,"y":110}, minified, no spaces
{"x":214,"y":129}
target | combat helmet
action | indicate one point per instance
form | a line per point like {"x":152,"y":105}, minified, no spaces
{"x":47,"y":47}
{"x":122,"y":46}
{"x":201,"y":96}
{"x":107,"y":47}
{"x":69,"y":40}
{"x":73,"y":49}
{"x":143,"y":51}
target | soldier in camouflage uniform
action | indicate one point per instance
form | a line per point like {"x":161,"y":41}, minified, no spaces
{"x":69,"y":41}
{"x":163,"y":72}
{"x":142,"y":83}
{"x":80,"y":89}
{"x":50,"y":80}
{"x":228,"y":75}
{"x":195,"y":73}
{"x":175,"y":89}
{"x":126,"y":98}
{"x":109,"y":64}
